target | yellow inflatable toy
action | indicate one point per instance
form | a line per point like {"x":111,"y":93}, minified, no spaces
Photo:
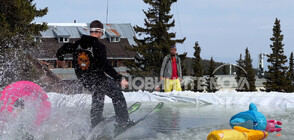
{"x":238,"y":133}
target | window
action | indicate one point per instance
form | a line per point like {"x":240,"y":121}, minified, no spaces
{"x":55,"y":64}
{"x":117,"y":39}
{"x":114,"y":64}
{"x":63,"y":39}
{"x":37,"y":39}
{"x":114,"y":39}
{"x":120,"y":63}
{"x":69,"y":65}
{"x":51,"y":66}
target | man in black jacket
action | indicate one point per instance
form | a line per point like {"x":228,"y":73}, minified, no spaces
{"x":91,"y":66}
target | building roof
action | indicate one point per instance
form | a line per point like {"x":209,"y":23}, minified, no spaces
{"x":76,"y":30}
{"x":118,"y":49}
{"x":60,"y":32}
{"x":69,"y":73}
{"x":115,"y":50}
{"x":50,"y":44}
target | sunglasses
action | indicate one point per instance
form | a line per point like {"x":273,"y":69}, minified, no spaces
{"x":97,"y":30}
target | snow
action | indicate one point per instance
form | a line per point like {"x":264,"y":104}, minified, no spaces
{"x":274,"y":99}
{"x":271,"y":99}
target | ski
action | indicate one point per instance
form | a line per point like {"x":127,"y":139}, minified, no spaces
{"x":134,"y":107}
{"x":158,"y":107}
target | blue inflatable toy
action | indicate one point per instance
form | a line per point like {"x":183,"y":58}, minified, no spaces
{"x":251,"y":119}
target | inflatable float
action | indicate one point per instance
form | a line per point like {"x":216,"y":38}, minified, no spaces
{"x":16,"y":96}
{"x":251,"y":119}
{"x":238,"y":133}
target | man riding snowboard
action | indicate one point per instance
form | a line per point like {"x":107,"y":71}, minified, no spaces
{"x":91,"y":66}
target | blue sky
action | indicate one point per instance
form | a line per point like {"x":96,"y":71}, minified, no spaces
{"x":223,"y":28}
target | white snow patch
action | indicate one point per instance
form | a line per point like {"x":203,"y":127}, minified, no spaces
{"x":275,"y":99}
{"x":86,"y":99}
{"x":285,"y":100}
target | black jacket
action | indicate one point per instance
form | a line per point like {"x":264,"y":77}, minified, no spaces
{"x":89,"y":58}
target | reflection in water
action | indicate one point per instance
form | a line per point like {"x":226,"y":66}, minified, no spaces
{"x":166,"y":121}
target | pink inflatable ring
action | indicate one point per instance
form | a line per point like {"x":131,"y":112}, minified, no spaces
{"x":23,"y":92}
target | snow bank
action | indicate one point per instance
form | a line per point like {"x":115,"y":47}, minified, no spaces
{"x":275,"y":99}
{"x":86,"y":99}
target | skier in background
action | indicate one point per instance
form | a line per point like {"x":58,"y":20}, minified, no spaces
{"x":90,"y":64}
{"x":171,"y":71}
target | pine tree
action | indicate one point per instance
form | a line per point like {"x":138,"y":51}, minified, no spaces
{"x":291,"y":74}
{"x":239,"y":72}
{"x":184,"y":69}
{"x":16,"y":37}
{"x":156,"y":39}
{"x":197,"y":61}
{"x":250,"y":76}
{"x":225,"y":70}
{"x":291,"y":67}
{"x":211,"y":80}
{"x":16,"y":18}
{"x":277,"y":80}
{"x":198,"y":71}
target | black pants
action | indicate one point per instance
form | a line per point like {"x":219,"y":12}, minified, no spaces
{"x":101,"y":87}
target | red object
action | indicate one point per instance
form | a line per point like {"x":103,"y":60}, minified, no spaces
{"x":31,"y":93}
{"x":174,"y":67}
{"x":278,"y":135}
